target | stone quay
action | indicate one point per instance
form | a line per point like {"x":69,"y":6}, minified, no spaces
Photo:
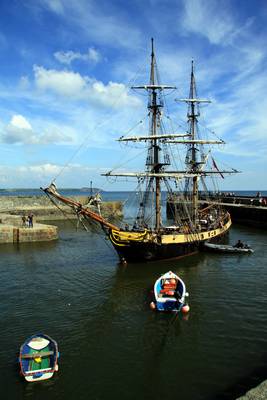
{"x":13,"y":208}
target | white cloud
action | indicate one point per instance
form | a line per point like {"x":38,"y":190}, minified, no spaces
{"x":66,"y":57}
{"x":24,"y":83}
{"x":20,"y":131}
{"x":74,"y":86}
{"x":112,"y":95}
{"x":25,"y":176}
{"x":44,"y":169}
{"x":94,"y":21}
{"x":66,"y":83}
{"x":19,"y":122}
{"x":202,"y":17}
{"x":54,"y":5}
{"x":28,"y":176}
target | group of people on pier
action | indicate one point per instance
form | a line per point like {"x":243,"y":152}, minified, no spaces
{"x":27,"y":222}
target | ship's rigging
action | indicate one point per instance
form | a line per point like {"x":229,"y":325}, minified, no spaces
{"x":158,"y":154}
{"x":149,"y":237}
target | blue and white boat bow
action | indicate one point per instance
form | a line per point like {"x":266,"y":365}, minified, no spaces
{"x":38,"y":358}
{"x":170,"y":293}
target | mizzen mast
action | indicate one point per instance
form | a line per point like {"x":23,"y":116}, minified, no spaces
{"x":192,"y":159}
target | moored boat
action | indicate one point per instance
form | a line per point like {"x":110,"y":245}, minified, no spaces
{"x":223,"y":248}
{"x":38,"y":358}
{"x":170,"y":293}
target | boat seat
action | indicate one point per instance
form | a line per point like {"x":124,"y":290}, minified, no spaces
{"x":30,"y":372}
{"x":168,"y":292}
{"x":36,"y":355}
{"x":169,"y":286}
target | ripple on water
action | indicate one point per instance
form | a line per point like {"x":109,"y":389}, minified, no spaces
{"x":99,"y":313}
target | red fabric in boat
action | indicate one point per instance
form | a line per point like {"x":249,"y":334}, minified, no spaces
{"x":169,"y":286}
{"x":167,"y":291}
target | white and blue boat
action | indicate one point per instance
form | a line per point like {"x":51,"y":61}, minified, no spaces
{"x":38,"y":358}
{"x":170,"y":293}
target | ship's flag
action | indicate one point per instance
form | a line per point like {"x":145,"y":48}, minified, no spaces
{"x":215,"y":166}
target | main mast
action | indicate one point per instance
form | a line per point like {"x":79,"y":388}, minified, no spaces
{"x":155,"y":109}
{"x":192,"y":117}
{"x":153,"y":163}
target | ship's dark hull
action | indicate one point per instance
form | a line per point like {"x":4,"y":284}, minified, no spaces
{"x":138,"y":252}
{"x":143,"y":251}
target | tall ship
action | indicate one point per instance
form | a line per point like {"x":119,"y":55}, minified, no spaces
{"x":149,"y":236}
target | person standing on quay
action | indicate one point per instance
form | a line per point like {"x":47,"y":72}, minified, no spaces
{"x":24,"y":225}
{"x":30,"y":220}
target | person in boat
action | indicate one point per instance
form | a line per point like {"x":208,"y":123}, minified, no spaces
{"x":239,"y":244}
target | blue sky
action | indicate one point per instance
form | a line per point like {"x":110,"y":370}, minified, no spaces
{"x":65,"y":71}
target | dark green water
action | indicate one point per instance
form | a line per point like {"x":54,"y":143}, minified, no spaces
{"x":112,"y":345}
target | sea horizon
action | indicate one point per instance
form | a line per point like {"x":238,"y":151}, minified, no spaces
{"x":88,"y":189}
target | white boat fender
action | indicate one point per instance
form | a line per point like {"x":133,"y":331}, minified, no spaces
{"x":185,"y":309}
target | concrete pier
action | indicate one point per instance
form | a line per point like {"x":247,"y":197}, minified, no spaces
{"x":44,"y":210}
{"x":245,"y":213}
{"x":249,"y":215}
{"x":12,"y":231}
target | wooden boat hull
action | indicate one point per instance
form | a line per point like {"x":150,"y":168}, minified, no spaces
{"x":166,"y":302}
{"x":38,"y":358}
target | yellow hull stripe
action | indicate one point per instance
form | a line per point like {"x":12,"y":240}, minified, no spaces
{"x":120,"y":238}
{"x":194,"y":237}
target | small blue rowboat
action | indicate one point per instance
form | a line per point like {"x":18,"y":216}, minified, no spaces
{"x":38,"y":358}
{"x":170,"y":293}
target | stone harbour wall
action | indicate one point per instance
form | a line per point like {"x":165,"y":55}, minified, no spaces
{"x":16,"y":234}
{"x":39,"y":233}
{"x":6,"y":234}
{"x":12,"y":208}
{"x":13,"y":231}
{"x":43,"y":209}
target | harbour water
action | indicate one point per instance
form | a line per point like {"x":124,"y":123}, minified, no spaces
{"x":111,"y":344}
